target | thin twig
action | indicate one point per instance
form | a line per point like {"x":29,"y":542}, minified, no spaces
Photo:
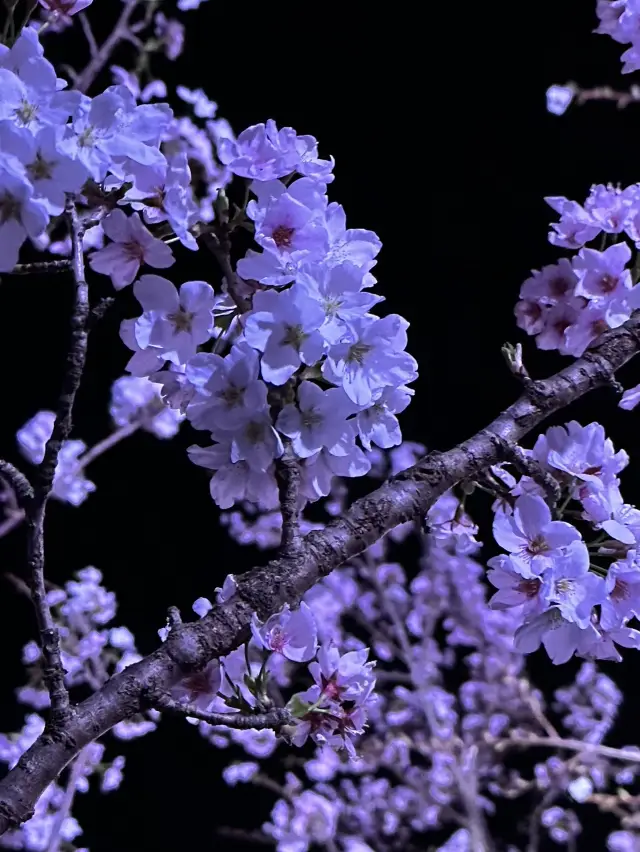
{"x":107,"y":443}
{"x":88,"y":32}
{"x":242,"y":721}
{"x":236,"y":286}
{"x":533,"y":741}
{"x":40,"y":267}
{"x":77,"y":768}
{"x":12,"y":520}
{"x":288,"y":475}
{"x":96,"y":64}
{"x":53,"y":672}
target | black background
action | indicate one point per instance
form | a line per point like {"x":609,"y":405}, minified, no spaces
{"x":444,"y":147}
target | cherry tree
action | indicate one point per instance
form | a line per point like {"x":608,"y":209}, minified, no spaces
{"x":292,"y":379}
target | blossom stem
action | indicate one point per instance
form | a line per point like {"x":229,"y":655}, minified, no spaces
{"x":242,"y":721}
{"x":53,"y":671}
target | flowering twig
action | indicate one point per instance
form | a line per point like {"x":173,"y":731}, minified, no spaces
{"x":41,"y":267}
{"x":242,"y":721}
{"x":265,"y":589}
{"x":53,"y":671}
{"x":86,"y":77}
{"x":288,"y":477}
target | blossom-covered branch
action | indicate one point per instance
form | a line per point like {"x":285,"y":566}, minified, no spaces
{"x":264,"y":590}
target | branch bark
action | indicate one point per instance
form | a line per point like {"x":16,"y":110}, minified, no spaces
{"x":35,"y":508}
{"x":241,"y":721}
{"x":264,"y":590}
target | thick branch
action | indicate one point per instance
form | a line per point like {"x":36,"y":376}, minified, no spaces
{"x":53,"y":671}
{"x":242,"y":721}
{"x":266,"y":589}
{"x":288,"y":477}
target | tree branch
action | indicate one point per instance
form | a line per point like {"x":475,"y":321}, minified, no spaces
{"x":580,"y":746}
{"x":241,"y":721}
{"x":264,"y":590}
{"x":86,"y":77}
{"x":19,"y":482}
{"x":288,"y":477}
{"x":40,"y":267}
{"x":53,"y":671}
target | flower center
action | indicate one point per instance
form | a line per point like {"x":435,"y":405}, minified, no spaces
{"x":40,"y":169}
{"x":358,"y":351}
{"x":311,"y":418}
{"x":529,"y":588}
{"x":182,"y":321}
{"x":254,"y":431}
{"x":607,"y":283}
{"x":293,"y":336}
{"x":231,"y":396}
{"x":134,"y":251}
{"x":26,"y":113}
{"x":283,"y":236}
{"x":537,"y":545}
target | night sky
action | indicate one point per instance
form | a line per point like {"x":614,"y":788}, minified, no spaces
{"x":444,"y":147}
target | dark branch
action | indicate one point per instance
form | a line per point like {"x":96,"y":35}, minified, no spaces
{"x":288,"y":477}
{"x":53,"y":671}
{"x":19,"y":482}
{"x":528,"y":466}
{"x":242,"y":721}
{"x":236,"y":286}
{"x":41,"y":267}
{"x":264,"y":590}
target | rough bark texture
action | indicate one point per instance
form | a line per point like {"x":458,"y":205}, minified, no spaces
{"x":265,"y":589}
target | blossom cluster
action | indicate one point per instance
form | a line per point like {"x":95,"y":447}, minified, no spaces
{"x":430,"y":750}
{"x":568,"y":305}
{"x":92,"y":651}
{"x":574,"y":596}
{"x":332,"y":711}
{"x":620,"y":19}
{"x":309,"y":365}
